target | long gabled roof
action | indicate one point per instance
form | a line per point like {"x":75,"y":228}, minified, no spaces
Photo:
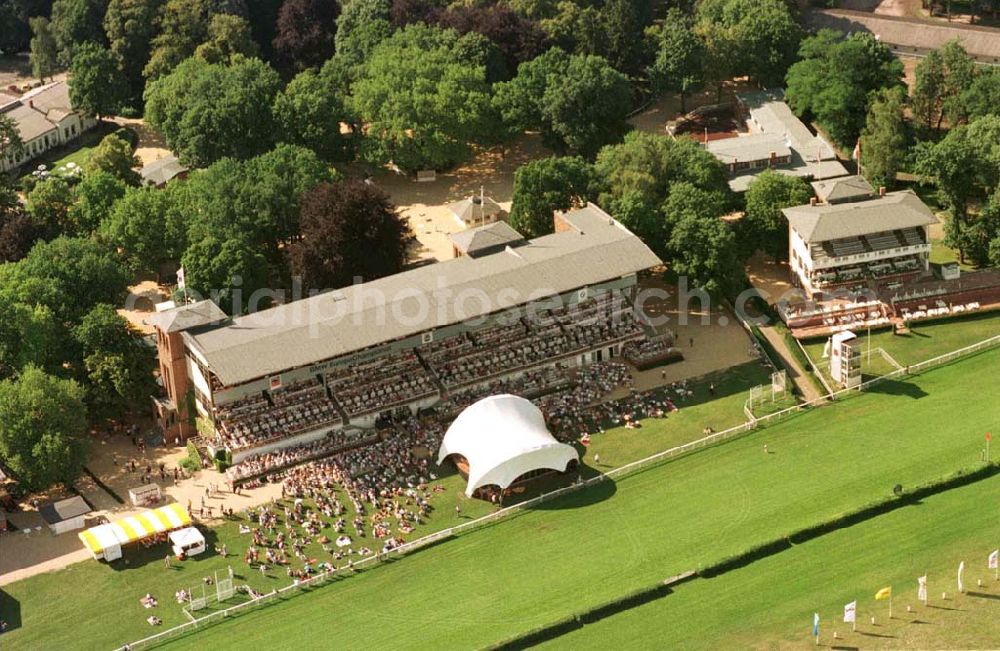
{"x":595,"y":249}
{"x":896,"y":210}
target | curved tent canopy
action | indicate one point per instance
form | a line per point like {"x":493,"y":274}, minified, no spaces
{"x":503,"y":437}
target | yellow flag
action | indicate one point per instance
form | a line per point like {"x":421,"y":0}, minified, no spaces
{"x":884,"y":593}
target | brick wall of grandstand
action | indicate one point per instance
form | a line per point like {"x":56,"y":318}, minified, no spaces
{"x":267,"y":423}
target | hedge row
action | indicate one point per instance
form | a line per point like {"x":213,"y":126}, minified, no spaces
{"x":855,"y":516}
{"x":570,"y":623}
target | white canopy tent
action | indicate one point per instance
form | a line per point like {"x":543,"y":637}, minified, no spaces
{"x":503,"y":437}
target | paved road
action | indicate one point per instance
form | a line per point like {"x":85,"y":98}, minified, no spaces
{"x":795,"y":370}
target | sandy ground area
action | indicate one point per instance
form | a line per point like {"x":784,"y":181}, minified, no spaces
{"x":40,"y":551}
{"x":654,"y":118}
{"x":425,"y":205}
{"x":151,"y":146}
{"x":710,"y":338}
{"x":772,"y":279}
{"x":141,"y":303}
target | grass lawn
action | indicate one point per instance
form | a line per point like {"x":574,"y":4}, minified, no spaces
{"x":592,"y":545}
{"x":29,"y":604}
{"x":77,"y":151}
{"x":923,"y":342}
{"x":770,"y":603}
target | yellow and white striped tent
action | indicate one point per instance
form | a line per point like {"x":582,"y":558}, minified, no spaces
{"x":106,"y":540}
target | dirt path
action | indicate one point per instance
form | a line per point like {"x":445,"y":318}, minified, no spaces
{"x":795,"y":370}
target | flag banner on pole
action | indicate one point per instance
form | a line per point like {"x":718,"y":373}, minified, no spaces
{"x":856,"y":155}
{"x":994,"y":559}
{"x":180,"y":278}
{"x":922,"y":588}
{"x":850,"y":612}
{"x":884,"y":593}
{"x":961,"y":571}
{"x":815,"y":623}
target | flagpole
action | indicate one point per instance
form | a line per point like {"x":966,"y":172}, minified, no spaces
{"x":890,"y":605}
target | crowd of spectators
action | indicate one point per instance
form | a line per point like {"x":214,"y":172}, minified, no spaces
{"x":269,"y":462}
{"x":381,"y":384}
{"x":251,"y":427}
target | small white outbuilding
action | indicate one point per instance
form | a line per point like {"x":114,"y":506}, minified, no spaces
{"x":503,"y":437}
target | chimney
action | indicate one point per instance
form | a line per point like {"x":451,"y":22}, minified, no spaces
{"x":813,"y":201}
{"x":881,"y":190}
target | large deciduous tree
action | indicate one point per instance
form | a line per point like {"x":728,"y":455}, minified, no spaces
{"x":885,"y":141}
{"x":836,"y":79}
{"x":75,"y":22}
{"x":764,"y":226}
{"x":350,"y":230}
{"x":117,"y":369}
{"x":763,"y":34}
{"x":44,"y":50}
{"x":360,"y":28}
{"x":679,"y":63}
{"x":545,"y":185}
{"x":48,"y":204}
{"x":310,"y":110}
{"x":68,"y":275}
{"x":147,"y":229}
{"x":305,"y":32}
{"x":183,"y":25}
{"x":231,"y":270}
{"x":942,"y":79}
{"x":420,"y":105}
{"x":96,"y":85}
{"x":115,"y":156}
{"x":95,"y":197}
{"x":517,"y":38}
{"x":43,"y":426}
{"x":579,"y":102}
{"x":210,"y":111}
{"x":228,"y":36}
{"x":130,"y":26}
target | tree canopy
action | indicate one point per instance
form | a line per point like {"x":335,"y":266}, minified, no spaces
{"x":310,"y":110}
{"x":884,"y":138}
{"x":764,"y":226}
{"x":578,"y":102}
{"x":546,"y":185}
{"x":420,"y":105}
{"x":96,"y":86}
{"x":43,"y":425}
{"x":349,"y":230}
{"x":836,"y":78}
{"x":679,"y":63}
{"x":209,"y":111}
{"x":305,"y":32}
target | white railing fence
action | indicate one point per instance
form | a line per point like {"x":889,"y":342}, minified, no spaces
{"x":621,"y":471}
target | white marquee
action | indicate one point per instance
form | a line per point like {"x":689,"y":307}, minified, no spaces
{"x":503,"y":437}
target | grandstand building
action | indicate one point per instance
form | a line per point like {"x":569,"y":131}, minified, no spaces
{"x":856,"y":244}
{"x":294,"y":373}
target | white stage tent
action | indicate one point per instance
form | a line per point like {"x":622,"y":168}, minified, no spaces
{"x":503,"y":437}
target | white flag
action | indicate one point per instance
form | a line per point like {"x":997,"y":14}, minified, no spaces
{"x":850,"y":612}
{"x":180,"y":278}
{"x":922,"y":588}
{"x":994,"y":559}
{"x":961,"y":570}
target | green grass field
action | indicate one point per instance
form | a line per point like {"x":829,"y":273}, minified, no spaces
{"x":770,"y":603}
{"x":923,"y":342}
{"x":594,"y":545}
{"x":30,"y":603}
